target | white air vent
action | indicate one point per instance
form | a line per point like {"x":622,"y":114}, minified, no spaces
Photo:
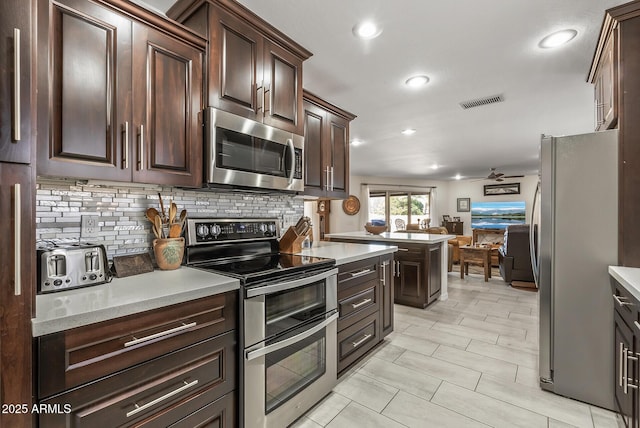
{"x":482,"y":101}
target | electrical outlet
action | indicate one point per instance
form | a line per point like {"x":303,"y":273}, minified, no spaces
{"x":89,"y":226}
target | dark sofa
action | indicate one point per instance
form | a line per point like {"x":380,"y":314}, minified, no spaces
{"x":514,"y":256}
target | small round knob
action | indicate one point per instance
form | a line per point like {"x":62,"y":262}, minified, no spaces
{"x":215,"y":230}
{"x":202,"y":230}
{"x":263,"y":227}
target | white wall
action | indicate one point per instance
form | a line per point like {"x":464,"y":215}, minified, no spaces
{"x":475,"y":190}
{"x":445,"y":200}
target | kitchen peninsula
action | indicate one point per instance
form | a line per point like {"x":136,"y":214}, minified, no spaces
{"x":419,"y":267}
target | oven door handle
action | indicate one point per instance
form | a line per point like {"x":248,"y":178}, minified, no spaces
{"x":283,"y":286}
{"x":252,"y":355}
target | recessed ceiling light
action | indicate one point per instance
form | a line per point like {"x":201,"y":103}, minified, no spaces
{"x":434,"y":166}
{"x":356,"y":143}
{"x":367,"y":30}
{"x":409,"y":131}
{"x":557,"y":39}
{"x":458,"y":177}
{"x":417,"y":81}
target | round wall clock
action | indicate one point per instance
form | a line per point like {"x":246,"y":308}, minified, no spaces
{"x":351,"y":205}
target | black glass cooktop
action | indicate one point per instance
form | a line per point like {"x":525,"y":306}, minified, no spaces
{"x":265,"y":267}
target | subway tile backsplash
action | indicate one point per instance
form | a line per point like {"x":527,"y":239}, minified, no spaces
{"x":123,"y":228}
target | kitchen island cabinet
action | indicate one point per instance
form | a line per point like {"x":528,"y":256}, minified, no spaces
{"x":119,"y":98}
{"x":420,"y":265}
{"x":151,"y":367}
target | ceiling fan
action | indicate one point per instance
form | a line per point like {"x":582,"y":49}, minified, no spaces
{"x":499,"y":176}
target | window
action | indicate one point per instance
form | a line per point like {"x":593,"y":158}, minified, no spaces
{"x":407,"y":207}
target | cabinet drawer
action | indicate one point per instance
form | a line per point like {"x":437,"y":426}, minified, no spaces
{"x":624,"y":303}
{"x":83,"y":354}
{"x":220,"y":413}
{"x":358,"y":306}
{"x":157,"y":393}
{"x":410,"y":251}
{"x":356,"y":340}
{"x":352,"y":274}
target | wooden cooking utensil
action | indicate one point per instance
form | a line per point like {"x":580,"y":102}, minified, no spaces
{"x":175,"y":230}
{"x":151,"y":214}
{"x":164,"y":216}
{"x":173,"y":210}
{"x":158,"y":225}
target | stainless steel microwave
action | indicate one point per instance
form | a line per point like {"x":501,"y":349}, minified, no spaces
{"x":244,"y":153}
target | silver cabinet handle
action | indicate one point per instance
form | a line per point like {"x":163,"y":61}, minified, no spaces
{"x":621,"y":302}
{"x":383,"y":280}
{"x":357,"y":305}
{"x":398,"y":269}
{"x":627,"y":357}
{"x":332,"y":179}
{"x":141,"y":160}
{"x":362,"y":272}
{"x":157,"y":335}
{"x":637,"y":324}
{"x":125,"y":138}
{"x":403,"y":249}
{"x":260,"y":97}
{"x":326,"y":183}
{"x":17,"y":259}
{"x":16,"y":84}
{"x":158,"y":400}
{"x":361,"y":341}
{"x":620,"y":362}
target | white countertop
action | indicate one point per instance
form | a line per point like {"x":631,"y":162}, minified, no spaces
{"x":346,"y":253}
{"x":628,"y":277}
{"x":125,"y":296}
{"x":414,"y":238}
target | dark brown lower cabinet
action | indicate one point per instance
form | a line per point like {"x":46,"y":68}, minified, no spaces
{"x":185,"y":377}
{"x":365,"y":305}
{"x":417,"y":280}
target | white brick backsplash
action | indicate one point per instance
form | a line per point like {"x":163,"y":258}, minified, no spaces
{"x":123,"y":226}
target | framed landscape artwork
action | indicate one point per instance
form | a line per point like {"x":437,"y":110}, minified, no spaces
{"x":502,"y":189}
{"x":464,"y":205}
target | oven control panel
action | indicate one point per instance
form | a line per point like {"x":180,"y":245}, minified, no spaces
{"x":220,"y":230}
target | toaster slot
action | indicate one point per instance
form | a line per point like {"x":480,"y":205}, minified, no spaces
{"x":92,"y":261}
{"x":56,"y":266}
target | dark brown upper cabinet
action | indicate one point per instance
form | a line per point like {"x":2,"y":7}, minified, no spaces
{"x":254,"y":70}
{"x":326,"y":148}
{"x":118,"y":100}
{"x":15,"y":82}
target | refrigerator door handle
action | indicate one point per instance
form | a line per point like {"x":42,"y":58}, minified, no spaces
{"x":532,"y":239}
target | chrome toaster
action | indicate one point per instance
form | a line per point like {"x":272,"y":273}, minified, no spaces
{"x":71,"y":266}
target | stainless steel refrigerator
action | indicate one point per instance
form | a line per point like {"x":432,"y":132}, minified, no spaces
{"x":574,"y":240}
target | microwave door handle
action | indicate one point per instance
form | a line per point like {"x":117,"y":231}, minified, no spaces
{"x":252,"y":355}
{"x":283,"y":286}
{"x":292,"y":151}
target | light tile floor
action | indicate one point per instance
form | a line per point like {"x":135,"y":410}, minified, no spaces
{"x":469,"y":361}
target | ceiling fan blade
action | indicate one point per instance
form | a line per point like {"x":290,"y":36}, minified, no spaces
{"x":499,"y":179}
{"x":499,"y":174}
{"x":513,"y":176}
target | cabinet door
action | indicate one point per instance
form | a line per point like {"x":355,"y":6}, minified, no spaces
{"x":16,"y":291}
{"x":282,"y":89}
{"x":167,"y":105}
{"x":409,"y":282}
{"x":235,"y":66}
{"x":315,"y":173}
{"x":386,"y":310}
{"x":338,"y":152}
{"x":15,"y":82}
{"x":433,"y":273}
{"x":623,"y":345}
{"x":606,"y":86}
{"x":84,"y":84}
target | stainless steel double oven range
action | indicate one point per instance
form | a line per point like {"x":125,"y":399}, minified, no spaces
{"x":288,"y":316}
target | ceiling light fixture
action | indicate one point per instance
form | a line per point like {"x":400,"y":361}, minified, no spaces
{"x":417,"y":81}
{"x":356,"y":143}
{"x":557,"y":39}
{"x":366,"y":30}
{"x":458,"y":177}
{"x":434,"y":166}
{"x":408,"y":131}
